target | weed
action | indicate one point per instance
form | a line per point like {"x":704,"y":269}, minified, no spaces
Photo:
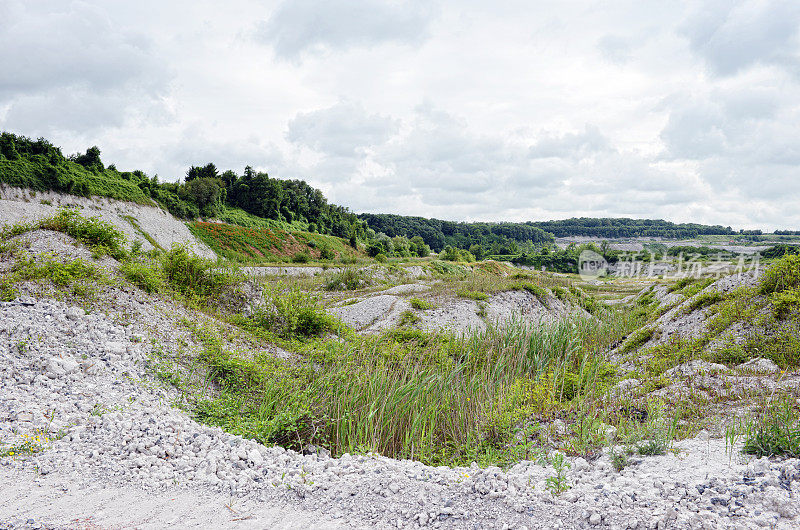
{"x":619,"y":460}
{"x":291,"y":313}
{"x":703,"y":300}
{"x":407,"y":318}
{"x":348,"y":279}
{"x":143,"y":275}
{"x":558,"y":483}
{"x":785,"y":302}
{"x":776,"y":431}
{"x":417,"y":303}
{"x":637,"y":339}
{"x":103,"y":236}
{"x":325,"y":252}
{"x":135,"y":224}
{"x":473,"y":295}
{"x":536,"y":290}
{"x":782,"y":275}
{"x":444,"y":268}
{"x":193,"y":276}
{"x":301,"y":257}
{"x":30,"y":444}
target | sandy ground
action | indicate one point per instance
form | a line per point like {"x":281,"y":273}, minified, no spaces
{"x":27,"y":500}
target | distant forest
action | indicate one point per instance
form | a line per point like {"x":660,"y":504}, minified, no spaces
{"x":439,"y":234}
{"x":623,"y":227}
{"x":494,"y":238}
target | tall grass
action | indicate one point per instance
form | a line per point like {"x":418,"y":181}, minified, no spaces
{"x":436,"y":399}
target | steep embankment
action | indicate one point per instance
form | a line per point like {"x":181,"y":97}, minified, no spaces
{"x":149,"y":224}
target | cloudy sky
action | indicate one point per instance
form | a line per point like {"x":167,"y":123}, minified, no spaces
{"x":462,"y":109}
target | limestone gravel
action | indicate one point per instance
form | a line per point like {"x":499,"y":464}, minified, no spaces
{"x":118,"y":448}
{"x":81,"y":378}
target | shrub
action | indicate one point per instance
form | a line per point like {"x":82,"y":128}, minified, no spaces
{"x":348,"y":279}
{"x":292,"y":314}
{"x":380,"y":257}
{"x":301,"y":257}
{"x":782,"y":275}
{"x":408,"y":318}
{"x":90,"y":231}
{"x":194,"y":276}
{"x":325,"y":252}
{"x":143,"y":276}
{"x":456,"y":254}
{"x":416,"y":303}
{"x":785,"y":302}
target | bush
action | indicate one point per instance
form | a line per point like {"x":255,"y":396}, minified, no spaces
{"x":325,"y":252}
{"x":456,"y":254}
{"x":90,"y":231}
{"x":785,"y":302}
{"x":416,"y":303}
{"x":348,"y":279}
{"x":292,"y":314}
{"x":782,"y":275}
{"x":407,"y":318}
{"x":192,"y":275}
{"x":301,"y":257}
{"x":143,"y":276}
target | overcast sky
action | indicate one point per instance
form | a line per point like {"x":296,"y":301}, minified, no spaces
{"x":463,"y":109}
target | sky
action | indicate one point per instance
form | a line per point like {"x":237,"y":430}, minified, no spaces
{"x":464,"y":110}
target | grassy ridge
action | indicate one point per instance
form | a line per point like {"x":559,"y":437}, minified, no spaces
{"x":42,"y":173}
{"x":267,"y":245}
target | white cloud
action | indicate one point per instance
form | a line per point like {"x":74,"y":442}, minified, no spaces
{"x":343,"y":129}
{"x":70,"y":67}
{"x":731,"y":36}
{"x":299,"y":26}
{"x":459,"y":110}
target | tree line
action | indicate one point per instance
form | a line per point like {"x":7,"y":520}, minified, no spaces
{"x":204,"y":191}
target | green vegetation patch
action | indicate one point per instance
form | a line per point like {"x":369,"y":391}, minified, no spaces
{"x":196,"y":277}
{"x":638,"y":339}
{"x":440,"y":399}
{"x":473,"y":295}
{"x":702,"y":301}
{"x":420,"y":304}
{"x":775,"y":432}
{"x":348,"y":279}
{"x":269,"y":245}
